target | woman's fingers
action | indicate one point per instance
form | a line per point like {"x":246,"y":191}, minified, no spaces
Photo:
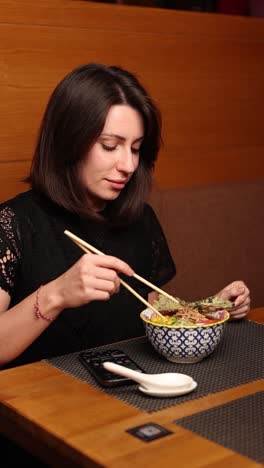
{"x":101,"y":274}
{"x":112,"y":263}
{"x":92,"y":277}
{"x":245,"y":303}
{"x":239,"y":293}
{"x":98,"y":284}
{"x":242,"y":300}
{"x":241,"y":312}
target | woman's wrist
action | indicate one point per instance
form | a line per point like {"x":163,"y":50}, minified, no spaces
{"x":48,"y":302}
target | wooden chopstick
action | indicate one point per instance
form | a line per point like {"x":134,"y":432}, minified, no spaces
{"x":139,"y":278}
{"x":89,"y":248}
{"x":153,"y":286}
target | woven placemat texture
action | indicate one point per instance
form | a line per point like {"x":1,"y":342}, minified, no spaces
{"x":237,"y":425}
{"x":238,"y":359}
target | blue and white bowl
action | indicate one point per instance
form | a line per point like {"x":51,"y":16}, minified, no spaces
{"x":183,"y":344}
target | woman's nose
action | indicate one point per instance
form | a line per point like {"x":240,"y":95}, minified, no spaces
{"x":127,"y":162}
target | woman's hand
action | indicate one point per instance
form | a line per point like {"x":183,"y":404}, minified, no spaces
{"x":92,"y":278}
{"x":240,"y":295}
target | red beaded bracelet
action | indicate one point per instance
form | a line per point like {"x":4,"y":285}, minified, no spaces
{"x":37,"y":309}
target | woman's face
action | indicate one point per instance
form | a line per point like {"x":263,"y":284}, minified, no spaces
{"x":113,"y":159}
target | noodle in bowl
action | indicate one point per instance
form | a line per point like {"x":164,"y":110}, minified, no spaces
{"x":184,"y":343}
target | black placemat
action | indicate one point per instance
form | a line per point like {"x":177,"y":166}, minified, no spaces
{"x":237,"y":425}
{"x":238,"y":359}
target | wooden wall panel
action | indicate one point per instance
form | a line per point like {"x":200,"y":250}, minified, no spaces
{"x":11,"y":178}
{"x":205,"y":71}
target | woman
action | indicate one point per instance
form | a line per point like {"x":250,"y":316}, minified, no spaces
{"x":91,"y":173}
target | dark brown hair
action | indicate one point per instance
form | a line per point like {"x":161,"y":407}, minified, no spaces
{"x":73,"y":121}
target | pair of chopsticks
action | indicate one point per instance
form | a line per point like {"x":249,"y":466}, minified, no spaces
{"x":88,"y":248}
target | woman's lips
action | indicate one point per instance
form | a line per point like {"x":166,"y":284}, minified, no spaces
{"x":117,"y":184}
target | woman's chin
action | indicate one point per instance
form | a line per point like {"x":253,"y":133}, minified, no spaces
{"x":99,"y":203}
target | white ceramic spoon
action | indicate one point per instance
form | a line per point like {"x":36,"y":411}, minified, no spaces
{"x":159,"y":392}
{"x":164,"y":382}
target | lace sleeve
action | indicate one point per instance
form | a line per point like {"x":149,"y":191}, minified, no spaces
{"x":163,"y":267}
{"x":9,"y":249}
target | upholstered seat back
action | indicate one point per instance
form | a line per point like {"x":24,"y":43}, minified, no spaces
{"x":215,"y":234}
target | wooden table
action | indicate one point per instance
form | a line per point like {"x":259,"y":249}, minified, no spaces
{"x":68,"y":423}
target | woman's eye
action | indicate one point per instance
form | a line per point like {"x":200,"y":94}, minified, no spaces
{"x":108,"y":148}
{"x":135,"y":150}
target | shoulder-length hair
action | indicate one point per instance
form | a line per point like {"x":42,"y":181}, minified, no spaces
{"x":73,"y":121}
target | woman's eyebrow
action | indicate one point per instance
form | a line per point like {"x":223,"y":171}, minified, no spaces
{"x":119,"y":137}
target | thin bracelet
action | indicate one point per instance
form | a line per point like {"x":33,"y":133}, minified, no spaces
{"x":37,"y":309}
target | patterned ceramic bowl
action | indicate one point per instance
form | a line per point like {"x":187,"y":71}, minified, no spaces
{"x":183,"y":344}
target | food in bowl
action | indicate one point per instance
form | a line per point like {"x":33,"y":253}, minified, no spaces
{"x":188,"y":331}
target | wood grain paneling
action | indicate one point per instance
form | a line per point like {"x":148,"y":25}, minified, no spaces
{"x":75,"y":13}
{"x":206,"y":73}
{"x":11,"y":178}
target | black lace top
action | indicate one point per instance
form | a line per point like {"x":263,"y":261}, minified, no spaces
{"x":34,"y":250}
